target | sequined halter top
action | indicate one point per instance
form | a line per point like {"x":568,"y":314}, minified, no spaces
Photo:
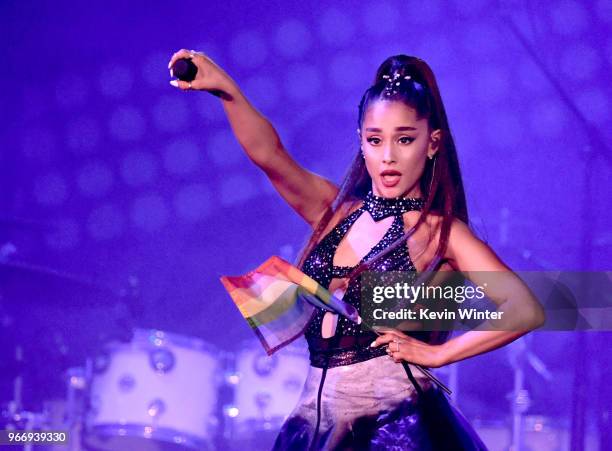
{"x":350,"y":344}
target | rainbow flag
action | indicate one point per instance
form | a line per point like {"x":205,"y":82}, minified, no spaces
{"x":278,"y":300}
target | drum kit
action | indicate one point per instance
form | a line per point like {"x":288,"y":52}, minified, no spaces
{"x":147,"y":389}
{"x":130,"y":388}
{"x":165,"y":391}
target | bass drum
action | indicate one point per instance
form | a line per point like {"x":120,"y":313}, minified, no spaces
{"x":267,"y":389}
{"x":158,"y":392}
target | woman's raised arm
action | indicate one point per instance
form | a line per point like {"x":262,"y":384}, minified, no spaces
{"x":309,"y":194}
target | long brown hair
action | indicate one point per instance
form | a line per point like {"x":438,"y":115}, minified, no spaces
{"x":441,"y":182}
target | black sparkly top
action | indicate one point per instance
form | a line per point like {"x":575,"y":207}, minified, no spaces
{"x":350,"y":344}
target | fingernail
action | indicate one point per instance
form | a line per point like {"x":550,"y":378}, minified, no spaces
{"x":174,"y":83}
{"x":373,"y":344}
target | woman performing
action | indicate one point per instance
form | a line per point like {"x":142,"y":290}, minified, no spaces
{"x":401,"y":207}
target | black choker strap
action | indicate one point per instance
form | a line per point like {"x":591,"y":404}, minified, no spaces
{"x":383,"y":207}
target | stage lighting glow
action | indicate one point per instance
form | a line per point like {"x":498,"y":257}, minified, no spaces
{"x":212,"y":49}
{"x":154,"y":70}
{"x":352,"y":78}
{"x":192,"y":202}
{"x":263,"y":91}
{"x":231,"y":411}
{"x":292,"y":39}
{"x":483,"y":40}
{"x":223,"y":149}
{"x":127,"y":124}
{"x":95,"y":179}
{"x":71,"y":91}
{"x":381,"y":18}
{"x":248,"y":49}
{"x":547,"y":118}
{"x":421,"y":13}
{"x":471,"y":8}
{"x":182,"y":156}
{"x":569,"y":18}
{"x":335,"y":27}
{"x":83,"y":134}
{"x":139,"y":168}
{"x":115,"y":81}
{"x":604,"y":10}
{"x":66,"y":235}
{"x":595,"y":105}
{"x":438,"y":50}
{"x":171,"y":114}
{"x":236,"y":189}
{"x":39,"y":145}
{"x":105,"y":222}
{"x":455,"y":94}
{"x":302,"y":82}
{"x":531,"y":78}
{"x":503,"y":129}
{"x":490,"y":84}
{"x":210,"y":109}
{"x":50,"y":189}
{"x":149,"y":212}
{"x":580,"y":62}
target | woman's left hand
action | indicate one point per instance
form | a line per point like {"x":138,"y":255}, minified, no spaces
{"x":402,"y":347}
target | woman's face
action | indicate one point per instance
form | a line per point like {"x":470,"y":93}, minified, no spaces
{"x":395,"y":147}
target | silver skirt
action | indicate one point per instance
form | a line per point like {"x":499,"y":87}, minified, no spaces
{"x":369,"y":405}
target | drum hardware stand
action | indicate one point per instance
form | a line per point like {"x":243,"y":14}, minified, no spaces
{"x":18,"y":416}
{"x":227,"y":396}
{"x":78,"y":380}
{"x":14,"y":413}
{"x":597,"y":147}
{"x":33,"y":421}
{"x":16,"y":405}
{"x":521,"y":401}
{"x":128,"y":309}
{"x":262,"y":401}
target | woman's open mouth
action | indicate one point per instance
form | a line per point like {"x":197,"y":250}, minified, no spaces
{"x":390,"y":178}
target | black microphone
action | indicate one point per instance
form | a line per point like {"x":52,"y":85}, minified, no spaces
{"x":184,"y":69}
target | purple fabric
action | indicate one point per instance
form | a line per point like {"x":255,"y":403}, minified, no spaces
{"x":372,"y":405}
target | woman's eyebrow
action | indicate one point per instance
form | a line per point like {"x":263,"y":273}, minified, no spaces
{"x":399,"y":129}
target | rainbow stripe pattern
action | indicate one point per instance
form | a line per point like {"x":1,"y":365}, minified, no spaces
{"x":278,"y":300}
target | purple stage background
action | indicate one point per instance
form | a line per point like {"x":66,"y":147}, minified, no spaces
{"x":111,"y":176}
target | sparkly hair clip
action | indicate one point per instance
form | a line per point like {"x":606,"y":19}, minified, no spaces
{"x":393,"y":83}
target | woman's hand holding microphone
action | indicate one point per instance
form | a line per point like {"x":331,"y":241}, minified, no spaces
{"x":208,"y":75}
